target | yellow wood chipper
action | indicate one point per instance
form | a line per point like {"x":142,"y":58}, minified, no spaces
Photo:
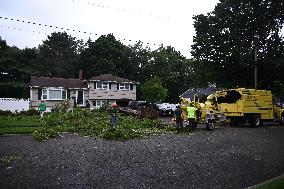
{"x":237,"y":106}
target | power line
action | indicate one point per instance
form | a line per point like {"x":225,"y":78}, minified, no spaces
{"x":63,"y":29}
{"x":21,"y":29}
{"x":128,"y":11}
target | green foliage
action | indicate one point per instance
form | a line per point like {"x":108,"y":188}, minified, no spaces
{"x":61,"y":107}
{"x":7,"y":160}
{"x":223,"y":45}
{"x":107,"y":55}
{"x":153,"y":90}
{"x":97,"y":123}
{"x":44,"y":134}
{"x":5,"y":113}
{"x":58,"y":55}
{"x":31,"y":112}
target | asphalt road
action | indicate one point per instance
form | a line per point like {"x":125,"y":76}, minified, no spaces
{"x":229,"y":157}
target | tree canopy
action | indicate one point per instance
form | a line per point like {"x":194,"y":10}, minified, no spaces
{"x":153,"y":91}
{"x":222,"y":50}
{"x":223,"y":44}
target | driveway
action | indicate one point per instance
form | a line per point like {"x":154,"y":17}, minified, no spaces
{"x":228,"y":157}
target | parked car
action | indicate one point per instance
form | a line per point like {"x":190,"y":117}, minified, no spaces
{"x":166,"y":109}
{"x":137,"y":105}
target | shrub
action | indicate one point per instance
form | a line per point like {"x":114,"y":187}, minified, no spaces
{"x":45,"y":133}
{"x":5,"y":113}
{"x":61,"y":107}
{"x":30,"y":112}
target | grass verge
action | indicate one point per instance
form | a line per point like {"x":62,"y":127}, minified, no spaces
{"x":275,"y":183}
{"x":18,"y":130}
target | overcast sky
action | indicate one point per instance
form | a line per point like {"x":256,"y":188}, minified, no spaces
{"x":151,"y":21}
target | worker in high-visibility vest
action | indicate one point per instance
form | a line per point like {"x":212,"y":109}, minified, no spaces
{"x":191,"y":116}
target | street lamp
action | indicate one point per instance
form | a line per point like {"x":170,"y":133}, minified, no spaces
{"x":255,"y":43}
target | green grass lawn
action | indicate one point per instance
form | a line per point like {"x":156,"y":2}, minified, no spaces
{"x":277,"y":183}
{"x":19,"y":124}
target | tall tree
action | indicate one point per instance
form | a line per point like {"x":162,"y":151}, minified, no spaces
{"x":106,"y":55}
{"x":174,"y":70}
{"x":58,"y":55}
{"x":153,"y":90}
{"x":223,"y":44}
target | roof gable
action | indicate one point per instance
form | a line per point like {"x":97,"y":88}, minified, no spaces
{"x":56,"y":82}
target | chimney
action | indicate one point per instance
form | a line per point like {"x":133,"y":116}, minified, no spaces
{"x":81,"y":74}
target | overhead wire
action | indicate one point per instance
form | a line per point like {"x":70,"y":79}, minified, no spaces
{"x":65,"y":29}
{"x":124,"y":10}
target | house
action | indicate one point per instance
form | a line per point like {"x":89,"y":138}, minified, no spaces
{"x":202,"y":93}
{"x":109,"y":88}
{"x":97,"y":90}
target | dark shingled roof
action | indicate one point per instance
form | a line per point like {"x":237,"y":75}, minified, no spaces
{"x":201,"y":92}
{"x":56,"y":82}
{"x":109,"y":77}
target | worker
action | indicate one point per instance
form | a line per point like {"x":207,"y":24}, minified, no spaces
{"x":191,"y":116}
{"x":42,"y":108}
{"x":178,"y":118}
{"x":113,"y":115}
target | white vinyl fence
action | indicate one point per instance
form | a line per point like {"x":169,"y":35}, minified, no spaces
{"x":14,"y":104}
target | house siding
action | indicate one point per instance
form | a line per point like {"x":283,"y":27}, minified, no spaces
{"x":111,"y":94}
{"x":51,"y":103}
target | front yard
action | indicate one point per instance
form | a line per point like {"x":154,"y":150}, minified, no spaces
{"x":19,"y":124}
{"x":84,"y":122}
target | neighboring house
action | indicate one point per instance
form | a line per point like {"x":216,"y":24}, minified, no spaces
{"x":201,"y":92}
{"x":96,"y":90}
{"x":109,"y":88}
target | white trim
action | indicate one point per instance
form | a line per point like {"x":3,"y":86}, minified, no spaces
{"x":122,"y":85}
{"x":79,"y":88}
{"x":103,"y":84}
{"x":83,"y":98}
{"x":48,"y":89}
{"x":131,"y":82}
{"x":31,"y":94}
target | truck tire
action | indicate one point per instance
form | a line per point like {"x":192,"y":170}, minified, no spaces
{"x":210,"y":126}
{"x":282,"y":119}
{"x":234,"y":121}
{"x":256,"y":121}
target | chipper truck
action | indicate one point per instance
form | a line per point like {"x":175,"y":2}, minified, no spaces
{"x":237,"y":106}
{"x":247,"y":105}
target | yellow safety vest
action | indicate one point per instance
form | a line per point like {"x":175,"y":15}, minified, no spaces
{"x":191,"y":112}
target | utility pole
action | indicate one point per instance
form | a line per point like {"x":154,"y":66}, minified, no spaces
{"x":255,"y":42}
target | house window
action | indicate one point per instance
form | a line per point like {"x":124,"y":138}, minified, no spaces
{"x":124,"y":86}
{"x":99,"y":103}
{"x":44,"y":94}
{"x":54,"y":94}
{"x":102,"y":85}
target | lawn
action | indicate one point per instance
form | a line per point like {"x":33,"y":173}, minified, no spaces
{"x":277,"y":183}
{"x":19,"y":124}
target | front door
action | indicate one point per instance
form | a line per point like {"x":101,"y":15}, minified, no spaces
{"x":80,"y":98}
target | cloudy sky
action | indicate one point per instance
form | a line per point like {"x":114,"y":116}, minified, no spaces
{"x":167,"y":22}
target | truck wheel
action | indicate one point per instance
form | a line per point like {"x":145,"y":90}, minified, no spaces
{"x":282,"y":119}
{"x":210,"y":126}
{"x":233,"y":121}
{"x":256,"y":121}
